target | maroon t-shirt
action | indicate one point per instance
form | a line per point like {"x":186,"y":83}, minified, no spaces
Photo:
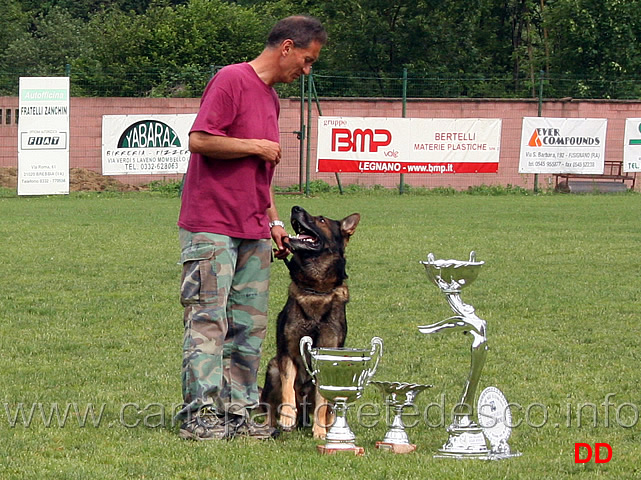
{"x":231,"y":197}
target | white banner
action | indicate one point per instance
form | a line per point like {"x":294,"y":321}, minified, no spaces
{"x":145,"y":144}
{"x":43,"y":136}
{"x":562,"y":145}
{"x":632,"y":145}
{"x":408,"y":145}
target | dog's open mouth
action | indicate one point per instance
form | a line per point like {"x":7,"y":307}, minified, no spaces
{"x":304,"y":238}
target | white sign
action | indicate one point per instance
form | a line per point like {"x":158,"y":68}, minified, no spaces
{"x":43,"y":136}
{"x":408,"y":145}
{"x":562,"y":145}
{"x":632,"y":145}
{"x":145,"y":144}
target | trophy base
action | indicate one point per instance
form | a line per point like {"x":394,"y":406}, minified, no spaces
{"x":503,"y":455}
{"x":329,"y":450}
{"x":489,"y":456}
{"x":465,"y":442}
{"x":396,"y":447}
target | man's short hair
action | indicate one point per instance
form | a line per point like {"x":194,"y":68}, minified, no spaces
{"x":301,"y":29}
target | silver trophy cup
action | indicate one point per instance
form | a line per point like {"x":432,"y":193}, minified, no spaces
{"x":341,"y":374}
{"x":398,"y":395}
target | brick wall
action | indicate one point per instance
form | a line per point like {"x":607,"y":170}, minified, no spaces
{"x":86,"y":136}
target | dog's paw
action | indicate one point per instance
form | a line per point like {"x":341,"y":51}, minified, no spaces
{"x":319,"y":432}
{"x":287,"y":420}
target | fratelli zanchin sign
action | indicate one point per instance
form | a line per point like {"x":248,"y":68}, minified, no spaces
{"x":43,"y":136}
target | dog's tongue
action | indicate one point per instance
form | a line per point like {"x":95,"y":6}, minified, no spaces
{"x":303,"y":237}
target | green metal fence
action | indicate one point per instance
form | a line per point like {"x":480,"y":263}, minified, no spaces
{"x":190,"y":82}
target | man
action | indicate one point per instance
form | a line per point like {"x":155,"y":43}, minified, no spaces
{"x":226,"y":218}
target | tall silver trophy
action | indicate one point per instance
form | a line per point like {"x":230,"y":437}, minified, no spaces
{"x":340,"y":375}
{"x":467,"y":438}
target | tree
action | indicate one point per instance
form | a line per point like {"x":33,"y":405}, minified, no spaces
{"x":54,"y":41}
{"x":168,"y":50}
{"x":595,"y":43}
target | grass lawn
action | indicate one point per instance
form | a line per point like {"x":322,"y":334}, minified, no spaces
{"x":91,"y":324}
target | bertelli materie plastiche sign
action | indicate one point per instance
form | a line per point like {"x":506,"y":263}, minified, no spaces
{"x":408,"y":145}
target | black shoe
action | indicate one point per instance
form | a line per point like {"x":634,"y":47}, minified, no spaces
{"x":244,"y":426}
{"x":204,"y":425}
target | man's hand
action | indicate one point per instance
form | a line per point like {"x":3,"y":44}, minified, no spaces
{"x":268,"y":151}
{"x":278,"y":235}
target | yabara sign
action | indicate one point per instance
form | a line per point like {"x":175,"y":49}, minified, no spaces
{"x":145,"y":144}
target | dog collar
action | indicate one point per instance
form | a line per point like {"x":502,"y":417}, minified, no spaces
{"x":316,"y":292}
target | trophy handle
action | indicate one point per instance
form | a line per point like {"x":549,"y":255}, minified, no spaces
{"x":305,"y":346}
{"x":377,"y":344}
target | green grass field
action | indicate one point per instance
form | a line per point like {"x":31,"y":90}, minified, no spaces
{"x":91,"y":322}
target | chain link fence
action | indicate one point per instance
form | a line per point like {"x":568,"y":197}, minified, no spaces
{"x":190,"y":82}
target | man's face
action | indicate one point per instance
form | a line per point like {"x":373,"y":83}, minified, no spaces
{"x":298,"y":61}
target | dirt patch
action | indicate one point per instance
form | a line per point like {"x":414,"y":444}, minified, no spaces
{"x":80,"y":179}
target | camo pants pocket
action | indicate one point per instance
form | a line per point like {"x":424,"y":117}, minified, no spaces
{"x":199,"y":284}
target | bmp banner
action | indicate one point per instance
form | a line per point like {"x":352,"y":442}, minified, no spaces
{"x":43,"y":136}
{"x":145,"y":144}
{"x":632,"y":145}
{"x":562,"y":145}
{"x":408,"y":145}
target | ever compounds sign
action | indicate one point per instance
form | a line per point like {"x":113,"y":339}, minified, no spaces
{"x":562,"y":145}
{"x":43,"y":136}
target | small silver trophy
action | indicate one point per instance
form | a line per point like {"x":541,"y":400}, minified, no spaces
{"x":398,"y":395}
{"x":341,"y":374}
{"x":467,"y":439}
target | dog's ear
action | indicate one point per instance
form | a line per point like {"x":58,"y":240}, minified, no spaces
{"x":348,"y":224}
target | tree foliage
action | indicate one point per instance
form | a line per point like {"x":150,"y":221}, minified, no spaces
{"x":494,"y":48}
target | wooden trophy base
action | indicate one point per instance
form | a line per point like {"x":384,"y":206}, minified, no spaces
{"x":324,"y":450}
{"x":396,"y":447}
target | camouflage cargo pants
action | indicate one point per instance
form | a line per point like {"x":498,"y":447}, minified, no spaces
{"x":225,"y":288}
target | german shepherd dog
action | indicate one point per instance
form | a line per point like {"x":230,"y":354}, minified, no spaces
{"x":315,"y":307}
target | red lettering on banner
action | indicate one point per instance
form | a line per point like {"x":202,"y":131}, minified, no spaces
{"x":362,"y":166}
{"x":340,"y":135}
{"x":344,"y":140}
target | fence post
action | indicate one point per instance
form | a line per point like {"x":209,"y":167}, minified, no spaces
{"x":536,"y":175}
{"x":301,"y":135}
{"x":402,"y":181}
{"x":309,"y":130}
{"x":320,"y":113}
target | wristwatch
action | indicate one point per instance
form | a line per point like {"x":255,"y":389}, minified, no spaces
{"x":276,"y":223}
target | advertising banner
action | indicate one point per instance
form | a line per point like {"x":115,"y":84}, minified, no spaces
{"x":632,"y":145}
{"x":43,"y":136}
{"x":145,"y":144}
{"x":562,"y":145}
{"x":408,"y":145}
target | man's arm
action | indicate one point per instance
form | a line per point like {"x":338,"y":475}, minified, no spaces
{"x":278,"y":232}
{"x":229,"y":148}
